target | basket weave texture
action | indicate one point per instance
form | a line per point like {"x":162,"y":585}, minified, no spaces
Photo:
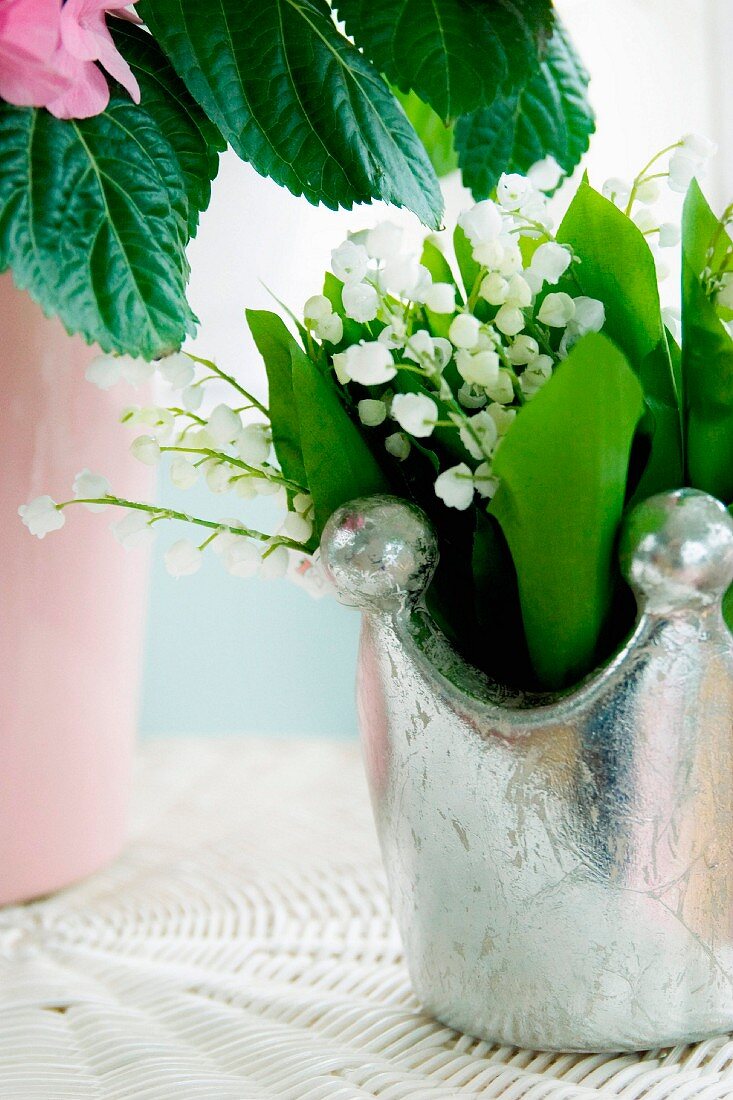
{"x":242,"y":948}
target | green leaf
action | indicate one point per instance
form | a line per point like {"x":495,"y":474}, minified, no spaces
{"x":559,"y":505}
{"x":707,"y":356}
{"x":93,"y":221}
{"x":434,"y":260}
{"x":276,"y":345}
{"x":617,"y":267}
{"x":467,"y":266}
{"x":339,"y":464}
{"x":195,"y":140}
{"x":436,"y":136}
{"x":455,"y":54}
{"x":294,"y":98}
{"x":354,"y":331}
{"x":551,"y":115}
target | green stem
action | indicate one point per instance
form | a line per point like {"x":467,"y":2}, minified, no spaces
{"x":159,"y":513}
{"x":232,"y":382}
{"x":255,"y":471}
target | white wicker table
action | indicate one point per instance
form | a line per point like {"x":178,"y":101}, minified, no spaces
{"x":242,"y":948}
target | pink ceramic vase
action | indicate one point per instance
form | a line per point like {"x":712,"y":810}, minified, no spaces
{"x":71,"y":614}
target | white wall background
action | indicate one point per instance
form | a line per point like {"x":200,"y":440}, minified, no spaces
{"x":226,"y":655}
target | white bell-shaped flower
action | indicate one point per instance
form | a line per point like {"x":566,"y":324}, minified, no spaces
{"x":415,"y":412}
{"x":178,"y":370}
{"x":224,"y":425}
{"x":482,"y":223}
{"x":182,"y":472}
{"x":133,"y":530}
{"x":350,"y":262}
{"x":464,"y":331}
{"x":361,"y":302}
{"x":372,"y":413}
{"x":146,"y":449}
{"x":455,"y":487}
{"x":441,"y":297}
{"x":369,"y":363}
{"x":557,"y":310}
{"x":398,"y":445}
{"x":88,"y":485}
{"x":274,"y":564}
{"x":183,"y":558}
{"x":41,"y":516}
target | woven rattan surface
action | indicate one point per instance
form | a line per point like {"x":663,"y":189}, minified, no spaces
{"x":242,"y":948}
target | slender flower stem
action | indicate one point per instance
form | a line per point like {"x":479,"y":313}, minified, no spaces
{"x":642,"y":177}
{"x":255,"y":471}
{"x":159,"y":513}
{"x":219,"y":373}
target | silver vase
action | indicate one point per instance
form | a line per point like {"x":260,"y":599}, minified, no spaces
{"x":561,"y":868}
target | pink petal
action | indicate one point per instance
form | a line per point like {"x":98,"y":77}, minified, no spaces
{"x":27,"y":82}
{"x":31,"y":27}
{"x":88,"y":91}
{"x":85,"y":35}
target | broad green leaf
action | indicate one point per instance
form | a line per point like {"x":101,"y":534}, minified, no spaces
{"x":294,"y":98}
{"x":562,"y":471}
{"x":707,"y":356}
{"x":93,"y":221}
{"x":338,"y":462}
{"x":617,"y":267}
{"x":354,"y":331}
{"x":455,"y":54}
{"x":434,"y":260}
{"x":195,"y":140}
{"x":467,"y":266}
{"x":501,"y":644}
{"x":436,"y":136}
{"x":550,"y":115}
{"x":276,"y":344}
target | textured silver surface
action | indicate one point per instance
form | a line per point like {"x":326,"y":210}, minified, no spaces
{"x":561,"y":870}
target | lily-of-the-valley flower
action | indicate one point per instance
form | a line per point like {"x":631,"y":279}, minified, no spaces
{"x":360,"y":301}
{"x":455,"y":487}
{"x":88,"y":486}
{"x":416,"y":413}
{"x":369,"y":363}
{"x":350,"y":262}
{"x":41,"y":516}
{"x":372,"y":412}
{"x":133,"y":530}
{"x":183,"y":558}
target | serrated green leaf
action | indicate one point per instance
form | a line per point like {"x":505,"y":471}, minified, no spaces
{"x":436,"y":135}
{"x":559,"y":506}
{"x":617,"y":267}
{"x":194,"y":138}
{"x":297,"y":100}
{"x":455,"y":54}
{"x":551,"y":115}
{"x":93,"y":221}
{"x":338,"y":462}
{"x":707,"y":355}
{"x":276,"y":344}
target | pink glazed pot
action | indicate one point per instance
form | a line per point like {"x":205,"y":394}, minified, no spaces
{"x":71,"y":614}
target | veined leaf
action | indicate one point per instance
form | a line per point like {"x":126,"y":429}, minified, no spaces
{"x":93,"y":221}
{"x":707,"y":356}
{"x":338,"y":462}
{"x":276,"y":345}
{"x":456,"y":54}
{"x":436,"y":135}
{"x":195,"y":140}
{"x":297,"y":100}
{"x":559,"y":505}
{"x":550,"y":115}
{"x":617,"y":267}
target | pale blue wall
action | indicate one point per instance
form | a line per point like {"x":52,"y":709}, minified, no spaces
{"x":226,"y":655}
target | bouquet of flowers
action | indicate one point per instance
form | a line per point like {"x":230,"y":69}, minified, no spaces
{"x":522,"y":384}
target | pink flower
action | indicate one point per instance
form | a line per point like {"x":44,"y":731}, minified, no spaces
{"x":48,"y":53}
